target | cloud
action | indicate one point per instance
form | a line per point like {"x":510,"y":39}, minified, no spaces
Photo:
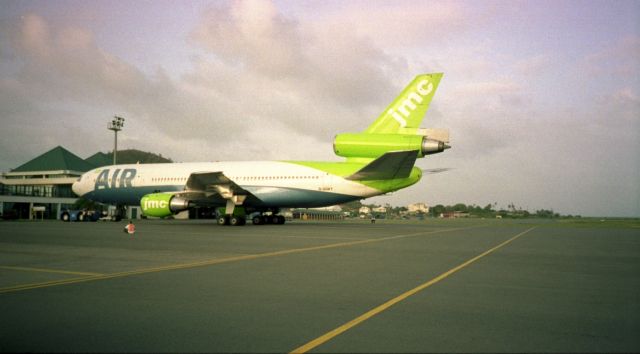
{"x":532,"y":65}
{"x":259,"y":70}
{"x":401,"y":25}
{"x":307,"y":78}
{"x":621,"y":58}
{"x":252,"y":34}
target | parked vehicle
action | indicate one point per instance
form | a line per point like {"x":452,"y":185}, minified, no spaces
{"x":80,"y":215}
{"x":10,"y":215}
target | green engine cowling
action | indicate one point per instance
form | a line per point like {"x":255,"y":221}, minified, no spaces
{"x":376,"y":145}
{"x":162,"y":204}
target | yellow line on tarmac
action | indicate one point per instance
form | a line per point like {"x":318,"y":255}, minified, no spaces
{"x":217,"y":261}
{"x":42,"y":270}
{"x":356,"y":321}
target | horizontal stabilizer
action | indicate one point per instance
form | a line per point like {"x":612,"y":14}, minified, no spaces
{"x":394,"y":164}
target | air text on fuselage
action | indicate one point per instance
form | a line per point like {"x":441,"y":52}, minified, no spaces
{"x":120,"y":178}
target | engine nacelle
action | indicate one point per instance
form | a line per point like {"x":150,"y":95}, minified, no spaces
{"x":376,"y":145}
{"x":162,"y":204}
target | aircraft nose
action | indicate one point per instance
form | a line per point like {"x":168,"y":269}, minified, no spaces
{"x":76,"y":187}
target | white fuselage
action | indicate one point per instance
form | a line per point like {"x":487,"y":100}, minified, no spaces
{"x":273,"y":183}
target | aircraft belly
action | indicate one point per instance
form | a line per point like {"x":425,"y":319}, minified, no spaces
{"x":294,"y":197}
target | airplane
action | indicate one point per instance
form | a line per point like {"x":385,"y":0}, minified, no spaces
{"x":378,"y":160}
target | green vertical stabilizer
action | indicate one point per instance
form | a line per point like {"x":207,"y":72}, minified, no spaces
{"x":404,"y":115}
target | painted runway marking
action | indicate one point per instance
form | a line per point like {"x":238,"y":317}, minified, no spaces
{"x":356,"y":321}
{"x":220,"y":261}
{"x":42,"y":270}
{"x":326,"y":238}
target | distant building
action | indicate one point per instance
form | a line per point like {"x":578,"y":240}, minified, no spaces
{"x":418,"y":208}
{"x":379,"y":209}
{"x":364,"y":210}
{"x":45,"y":182}
{"x":454,"y":215}
{"x":317,"y":214}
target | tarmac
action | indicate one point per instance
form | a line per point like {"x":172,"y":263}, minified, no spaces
{"x":331,"y":287}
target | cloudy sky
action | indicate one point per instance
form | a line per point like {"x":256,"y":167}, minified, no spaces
{"x":542,"y":98}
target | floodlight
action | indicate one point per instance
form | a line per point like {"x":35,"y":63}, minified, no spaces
{"x":116,"y":125}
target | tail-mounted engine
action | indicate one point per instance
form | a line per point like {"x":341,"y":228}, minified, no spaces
{"x":376,"y":145}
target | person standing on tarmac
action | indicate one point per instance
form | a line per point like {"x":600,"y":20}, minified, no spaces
{"x":130,"y":228}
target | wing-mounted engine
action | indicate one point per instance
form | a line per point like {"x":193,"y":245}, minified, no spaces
{"x":163,"y":204}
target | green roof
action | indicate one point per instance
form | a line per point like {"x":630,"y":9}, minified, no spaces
{"x":55,"y":159}
{"x":99,"y":159}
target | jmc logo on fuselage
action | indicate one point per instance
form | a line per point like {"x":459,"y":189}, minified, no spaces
{"x":107,"y":180}
{"x":154,"y":204}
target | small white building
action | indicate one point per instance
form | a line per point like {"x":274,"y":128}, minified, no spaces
{"x":380,"y":209}
{"x":364,"y":210}
{"x":418,"y":208}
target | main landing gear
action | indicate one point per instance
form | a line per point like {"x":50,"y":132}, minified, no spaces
{"x":268,"y":219}
{"x":232,"y":220}
{"x":239,"y":218}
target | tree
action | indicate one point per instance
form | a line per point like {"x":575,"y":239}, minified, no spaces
{"x":543,"y":213}
{"x":438,"y":209}
{"x":460,"y":207}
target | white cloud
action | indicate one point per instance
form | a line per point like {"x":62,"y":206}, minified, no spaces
{"x":621,"y":58}
{"x":261,"y":71}
{"x":532,"y":65}
{"x":402,"y":25}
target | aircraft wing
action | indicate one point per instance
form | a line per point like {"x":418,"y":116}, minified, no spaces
{"x":215,"y":186}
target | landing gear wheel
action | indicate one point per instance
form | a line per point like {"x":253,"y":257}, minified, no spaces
{"x":257,"y":220}
{"x":223,"y":220}
{"x":280,"y":220}
{"x":236,"y":221}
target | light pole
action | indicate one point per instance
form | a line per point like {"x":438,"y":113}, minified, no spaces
{"x":116,"y":125}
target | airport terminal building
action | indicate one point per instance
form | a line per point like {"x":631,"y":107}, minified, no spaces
{"x":41,"y":187}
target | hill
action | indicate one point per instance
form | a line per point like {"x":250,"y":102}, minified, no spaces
{"x":136,"y":156}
